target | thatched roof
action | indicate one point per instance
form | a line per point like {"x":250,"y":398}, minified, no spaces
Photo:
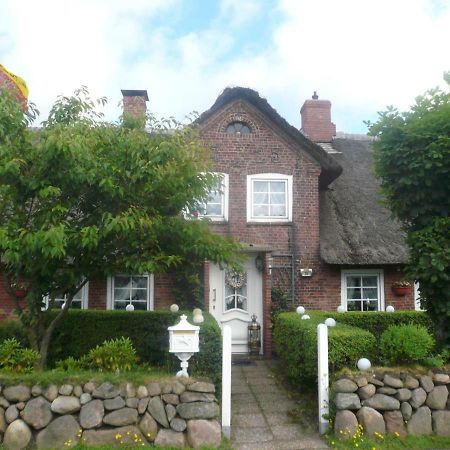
{"x":355,"y":227}
{"x":330,"y":168}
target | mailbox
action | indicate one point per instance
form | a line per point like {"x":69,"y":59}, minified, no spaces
{"x":183,"y":341}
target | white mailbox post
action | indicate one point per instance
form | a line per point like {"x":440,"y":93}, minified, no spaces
{"x":183,"y":341}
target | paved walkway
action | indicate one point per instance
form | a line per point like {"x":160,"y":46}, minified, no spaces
{"x":263,"y":416}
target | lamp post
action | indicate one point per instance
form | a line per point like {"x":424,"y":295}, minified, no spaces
{"x":183,"y":341}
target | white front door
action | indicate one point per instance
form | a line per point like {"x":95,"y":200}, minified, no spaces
{"x":232,"y":301}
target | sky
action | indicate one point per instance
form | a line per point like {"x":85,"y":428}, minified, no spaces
{"x":362,"y":55}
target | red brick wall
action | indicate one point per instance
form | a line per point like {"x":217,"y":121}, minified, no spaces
{"x":134,"y":105}
{"x":6,"y":304}
{"x":316,"y":120}
{"x":97,"y":293}
{"x":163,"y":294}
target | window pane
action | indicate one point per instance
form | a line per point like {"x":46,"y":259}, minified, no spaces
{"x":353,"y":281}
{"x":120,"y":282}
{"x":121,"y":294}
{"x":353,"y":293}
{"x":277,"y":186}
{"x":371,"y":305}
{"x":370,"y":281}
{"x":214,"y":210}
{"x":370,"y":293}
{"x":353,"y":306}
{"x":139,"y":306}
{"x":260,"y":186}
{"x":140,"y":282}
{"x":120,"y":305}
{"x":259,"y":199}
{"x":230,"y":302}
{"x":278,"y":211}
{"x":139,"y":294}
{"x":278,"y":199}
{"x":261,"y":211}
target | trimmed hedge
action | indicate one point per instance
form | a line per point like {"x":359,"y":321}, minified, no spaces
{"x":296,"y":345}
{"x":13,"y":329}
{"x":377,"y":322}
{"x":82,"y":330}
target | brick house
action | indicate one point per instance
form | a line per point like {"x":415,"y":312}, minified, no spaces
{"x":305,"y":204}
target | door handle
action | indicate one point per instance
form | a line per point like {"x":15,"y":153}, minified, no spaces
{"x":214,"y":295}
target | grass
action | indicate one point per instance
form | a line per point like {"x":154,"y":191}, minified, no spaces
{"x":391,"y":442}
{"x":45,"y":378}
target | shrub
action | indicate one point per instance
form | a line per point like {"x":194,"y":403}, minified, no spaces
{"x":83,"y":330}
{"x":15,"y":357}
{"x":405,"y":344}
{"x":114,"y":355}
{"x":296,"y":345}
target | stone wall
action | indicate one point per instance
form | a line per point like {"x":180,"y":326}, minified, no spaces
{"x":177,"y":414}
{"x":389,"y":403}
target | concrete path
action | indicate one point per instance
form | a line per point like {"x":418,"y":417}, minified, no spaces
{"x":263,"y":416}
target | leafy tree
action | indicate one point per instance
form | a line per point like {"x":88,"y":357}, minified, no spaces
{"x":412,"y":153}
{"x":82,"y":198}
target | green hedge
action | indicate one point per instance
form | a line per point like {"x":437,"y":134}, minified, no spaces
{"x":13,"y":329}
{"x":82,"y":330}
{"x":296,"y":345}
{"x":377,"y":322}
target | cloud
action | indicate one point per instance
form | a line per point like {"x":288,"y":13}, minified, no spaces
{"x":361,"y":55}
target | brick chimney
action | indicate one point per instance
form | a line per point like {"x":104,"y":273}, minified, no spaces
{"x":134,"y":102}
{"x":316,"y":120}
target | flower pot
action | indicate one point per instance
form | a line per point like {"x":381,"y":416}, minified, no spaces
{"x":20,"y":293}
{"x":400,"y":291}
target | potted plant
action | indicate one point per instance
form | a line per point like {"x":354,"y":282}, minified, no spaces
{"x":401,"y":288}
{"x":19,"y":289}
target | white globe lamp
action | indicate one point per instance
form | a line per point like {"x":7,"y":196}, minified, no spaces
{"x":196,"y":311}
{"x":129,"y":307}
{"x":174,"y":308}
{"x":300,"y":310}
{"x":364,"y":364}
{"x":198,"y":318}
{"x":305,"y":317}
{"x":330,"y":322}
{"x":390,"y":309}
{"x":341,"y":309}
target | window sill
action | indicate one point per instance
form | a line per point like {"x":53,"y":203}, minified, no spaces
{"x":269,"y":222}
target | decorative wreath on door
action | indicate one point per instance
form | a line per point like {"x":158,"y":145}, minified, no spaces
{"x":235,"y":279}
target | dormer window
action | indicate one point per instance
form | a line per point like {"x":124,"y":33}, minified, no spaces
{"x":238,"y":128}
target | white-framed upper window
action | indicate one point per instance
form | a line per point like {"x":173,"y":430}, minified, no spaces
{"x":269,"y":197}
{"x":124,"y":290}
{"x":362,"y":290}
{"x":79,"y":301}
{"x":216,"y":208}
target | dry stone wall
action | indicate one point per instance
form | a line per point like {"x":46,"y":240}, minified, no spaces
{"x":180,"y":413}
{"x":401,"y":404}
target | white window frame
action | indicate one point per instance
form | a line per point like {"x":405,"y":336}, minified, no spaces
{"x":224,"y":197}
{"x":363,"y":272}
{"x":150,"y":289}
{"x":84,"y":297}
{"x":288,"y":196}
